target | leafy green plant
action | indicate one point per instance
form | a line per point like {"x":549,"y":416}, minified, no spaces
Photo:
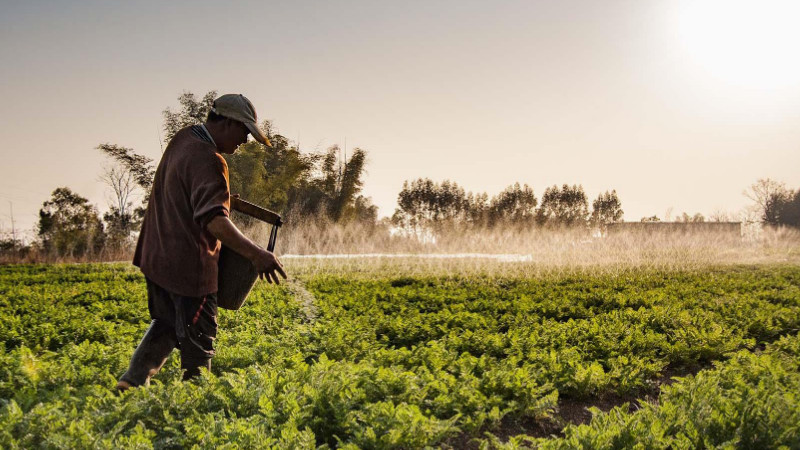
{"x":410,"y":362}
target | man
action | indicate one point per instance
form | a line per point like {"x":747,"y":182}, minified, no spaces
{"x":178,"y":247}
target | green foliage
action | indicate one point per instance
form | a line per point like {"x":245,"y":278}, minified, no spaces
{"x":393,"y":362}
{"x":783,"y":209}
{"x":192,"y":112}
{"x":141,"y":167}
{"x":749,"y":401}
{"x":120,"y":225}
{"x":423,"y":204}
{"x":565,"y":207}
{"x":335,"y":193}
{"x":774,"y":202}
{"x":69,"y":225}
{"x":514,"y":206}
{"x":267,"y":176}
{"x":426,"y":205}
{"x":606,"y":208}
{"x":130,"y":173}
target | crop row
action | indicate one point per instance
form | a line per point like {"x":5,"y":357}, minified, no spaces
{"x":747,"y":401}
{"x":389,"y":361}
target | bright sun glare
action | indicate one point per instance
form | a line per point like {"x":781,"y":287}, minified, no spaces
{"x":749,"y":44}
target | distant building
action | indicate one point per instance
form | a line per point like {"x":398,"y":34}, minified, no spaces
{"x":722,"y":229}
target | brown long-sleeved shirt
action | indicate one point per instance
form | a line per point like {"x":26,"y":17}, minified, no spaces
{"x":190,"y":188}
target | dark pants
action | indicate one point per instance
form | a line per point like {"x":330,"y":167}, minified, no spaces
{"x":188,"y":323}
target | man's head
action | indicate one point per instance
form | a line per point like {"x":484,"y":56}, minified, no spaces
{"x":231,"y":118}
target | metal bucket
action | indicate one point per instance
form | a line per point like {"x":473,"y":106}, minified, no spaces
{"x":236,"y":274}
{"x":235,"y":279}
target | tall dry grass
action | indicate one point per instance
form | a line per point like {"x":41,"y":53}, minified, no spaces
{"x":34,"y":255}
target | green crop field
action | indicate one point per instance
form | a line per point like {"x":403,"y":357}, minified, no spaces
{"x":692,"y":358}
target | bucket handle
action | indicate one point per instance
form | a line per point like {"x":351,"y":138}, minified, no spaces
{"x":261,"y":214}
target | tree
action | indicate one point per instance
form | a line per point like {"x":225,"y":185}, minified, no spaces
{"x":271,"y":176}
{"x":477,"y":210}
{"x":566,"y":207}
{"x":767,"y":194}
{"x":192,"y":112}
{"x":121,"y":219}
{"x":650,"y":219}
{"x":783,"y":209}
{"x":415,"y":205}
{"x":69,"y":225}
{"x":412,"y":212}
{"x":449,"y":203}
{"x":790,"y":210}
{"x":140,"y":167}
{"x":514,"y":206}
{"x":425,"y":205}
{"x":342,"y":201}
{"x":335,"y":192}
{"x":364,"y":211}
{"x":606,"y":208}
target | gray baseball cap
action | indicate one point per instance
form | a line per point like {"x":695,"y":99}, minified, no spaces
{"x":238,"y":107}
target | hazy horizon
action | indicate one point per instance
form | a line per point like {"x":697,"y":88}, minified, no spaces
{"x":678,"y":106}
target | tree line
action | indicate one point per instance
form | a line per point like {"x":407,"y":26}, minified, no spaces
{"x":426,"y":205}
{"x":326,"y":186}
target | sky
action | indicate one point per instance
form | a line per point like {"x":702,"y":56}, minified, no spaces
{"x":677,"y":105}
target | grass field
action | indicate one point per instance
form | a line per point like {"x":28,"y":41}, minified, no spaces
{"x":372,"y":356}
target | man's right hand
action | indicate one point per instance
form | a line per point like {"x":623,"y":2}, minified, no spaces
{"x":267,"y":264}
